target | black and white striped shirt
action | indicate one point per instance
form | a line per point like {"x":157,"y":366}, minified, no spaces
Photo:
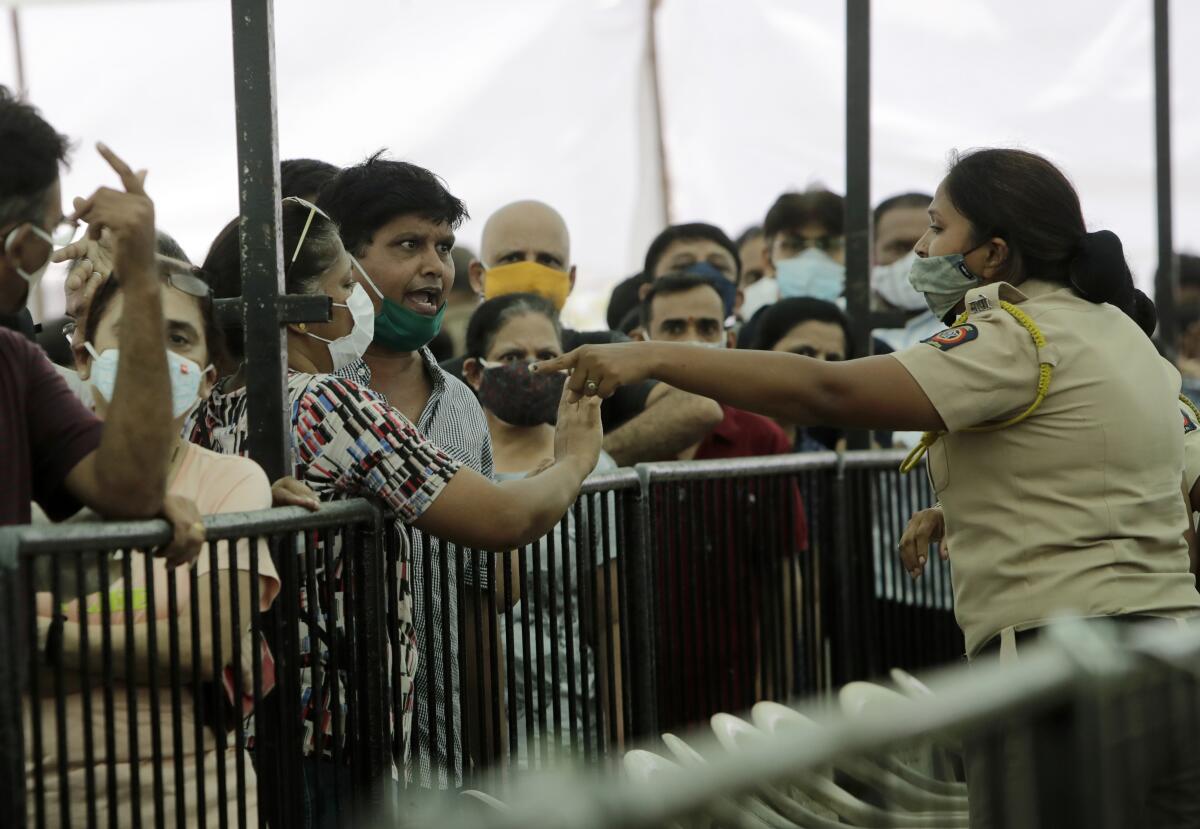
{"x":452,"y":420}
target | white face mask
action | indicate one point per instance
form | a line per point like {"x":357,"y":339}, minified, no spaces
{"x":762,"y":293}
{"x":32,"y":278}
{"x":186,"y":376}
{"x":349,"y":349}
{"x":892,"y":285}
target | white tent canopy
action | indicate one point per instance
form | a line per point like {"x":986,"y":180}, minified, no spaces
{"x":549,"y":99}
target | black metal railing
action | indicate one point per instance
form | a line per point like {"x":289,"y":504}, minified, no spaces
{"x":726,"y":583}
{"x":147,"y":696}
{"x":667,"y":594}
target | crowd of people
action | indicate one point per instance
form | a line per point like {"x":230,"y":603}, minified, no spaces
{"x":1025,"y":364}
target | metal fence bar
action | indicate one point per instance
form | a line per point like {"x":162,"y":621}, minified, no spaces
{"x":1166,"y":281}
{"x":858,"y":184}
{"x":260,"y":242}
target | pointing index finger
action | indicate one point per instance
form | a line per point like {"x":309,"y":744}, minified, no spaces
{"x":566,"y":361}
{"x":131,"y":180}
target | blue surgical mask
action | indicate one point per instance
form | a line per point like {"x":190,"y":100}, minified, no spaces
{"x":185,"y":376}
{"x":944,"y":281}
{"x":811,"y":274}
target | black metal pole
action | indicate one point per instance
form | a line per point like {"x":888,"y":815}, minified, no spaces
{"x":261,"y":245}
{"x":1166,"y":277}
{"x":858,"y":182}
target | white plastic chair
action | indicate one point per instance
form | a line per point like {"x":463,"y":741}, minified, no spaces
{"x":910,"y":685}
{"x":687,"y":756}
{"x":484,"y":799}
{"x":929,"y":760}
{"x":644,"y":766}
{"x":912,"y":792}
{"x":647,"y":767}
{"x":737,"y":735}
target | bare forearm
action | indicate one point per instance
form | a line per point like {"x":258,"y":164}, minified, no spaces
{"x":668,"y":425}
{"x":143,"y":667}
{"x":475,"y":512}
{"x":872,"y":392}
{"x":770,"y":383}
{"x":131,"y":462}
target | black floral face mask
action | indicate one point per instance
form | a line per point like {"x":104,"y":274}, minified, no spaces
{"x":517,"y":396}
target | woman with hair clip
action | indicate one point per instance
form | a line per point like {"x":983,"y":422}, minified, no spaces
{"x":1053,"y":425}
{"x":349,"y":443}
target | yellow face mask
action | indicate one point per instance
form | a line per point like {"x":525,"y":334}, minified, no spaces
{"x":530,"y":278}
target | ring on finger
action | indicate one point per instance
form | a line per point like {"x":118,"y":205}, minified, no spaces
{"x":591,"y":386}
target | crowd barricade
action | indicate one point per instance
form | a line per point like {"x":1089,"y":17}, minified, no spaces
{"x":141,"y":695}
{"x":727,"y":582}
{"x":668,"y":593}
{"x":1096,"y":724}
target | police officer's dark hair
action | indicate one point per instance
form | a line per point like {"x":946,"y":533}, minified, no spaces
{"x":780,"y":318}
{"x":673,"y":284}
{"x":365,"y":197}
{"x":1028,"y":202}
{"x":795,"y":210}
{"x":304,"y":177}
{"x":689,"y":232}
{"x":921,"y":200}
{"x":33,"y":153}
{"x":494,"y":314}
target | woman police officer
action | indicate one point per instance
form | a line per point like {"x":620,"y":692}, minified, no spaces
{"x":1054,"y":438}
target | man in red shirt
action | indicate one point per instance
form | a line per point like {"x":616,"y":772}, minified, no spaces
{"x":52,"y":449}
{"x":688,"y":309}
{"x":724,"y":622}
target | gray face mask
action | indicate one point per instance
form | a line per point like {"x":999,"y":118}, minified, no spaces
{"x":944,"y":280}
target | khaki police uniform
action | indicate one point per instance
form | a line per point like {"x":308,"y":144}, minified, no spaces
{"x":1077,"y":508}
{"x":1191,"y":443}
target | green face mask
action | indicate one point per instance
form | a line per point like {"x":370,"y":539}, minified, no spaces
{"x":398,"y":328}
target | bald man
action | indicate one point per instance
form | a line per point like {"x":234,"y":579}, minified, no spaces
{"x":526,"y":247}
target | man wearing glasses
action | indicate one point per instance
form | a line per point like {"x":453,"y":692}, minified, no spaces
{"x":53,"y":449}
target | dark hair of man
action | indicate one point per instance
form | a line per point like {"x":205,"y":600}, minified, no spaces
{"x":792,"y":211}
{"x":1024,"y":199}
{"x":304,"y":177}
{"x":749,"y":234}
{"x":689,"y":232}
{"x":779,"y":319}
{"x":670,"y":285}
{"x":213,"y":337}
{"x":223,"y":266}
{"x":490,"y":317}
{"x":920,"y":200}
{"x":365,"y":197}
{"x":31,"y":153}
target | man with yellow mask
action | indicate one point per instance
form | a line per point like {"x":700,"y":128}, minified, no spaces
{"x":526,"y":248}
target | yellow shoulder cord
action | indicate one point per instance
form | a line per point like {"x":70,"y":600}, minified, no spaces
{"x":1185,"y":400}
{"x":1045,"y":372}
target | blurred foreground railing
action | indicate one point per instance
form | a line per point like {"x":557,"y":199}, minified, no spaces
{"x":1095,"y":725}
